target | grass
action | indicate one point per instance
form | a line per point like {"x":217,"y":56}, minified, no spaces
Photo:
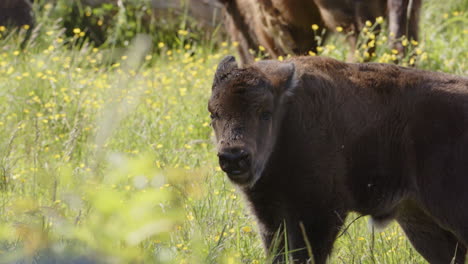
{"x":110,"y":158}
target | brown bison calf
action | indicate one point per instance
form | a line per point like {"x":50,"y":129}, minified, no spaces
{"x":311,"y":139}
{"x":284,"y":26}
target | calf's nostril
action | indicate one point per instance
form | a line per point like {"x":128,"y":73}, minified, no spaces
{"x":229,"y":157}
{"x":234,"y":160}
{"x":232,"y":155}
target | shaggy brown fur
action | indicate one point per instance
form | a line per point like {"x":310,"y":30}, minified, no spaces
{"x":284,"y":26}
{"x":311,"y":139}
{"x":15,"y":13}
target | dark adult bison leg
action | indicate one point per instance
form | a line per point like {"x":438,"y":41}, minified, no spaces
{"x":239,"y":30}
{"x":435,"y":244}
{"x":413,"y":23}
{"x":243,"y":45}
{"x":401,"y":23}
{"x":16,"y":13}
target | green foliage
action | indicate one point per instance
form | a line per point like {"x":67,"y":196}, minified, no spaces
{"x":115,"y":23}
{"x":112,"y":160}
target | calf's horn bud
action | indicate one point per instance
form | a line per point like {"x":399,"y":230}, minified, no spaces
{"x":224,"y":68}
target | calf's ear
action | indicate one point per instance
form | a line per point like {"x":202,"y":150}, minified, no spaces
{"x":227,"y":65}
{"x":281,"y":74}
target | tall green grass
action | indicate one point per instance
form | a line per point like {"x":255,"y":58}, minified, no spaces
{"x":112,"y":160}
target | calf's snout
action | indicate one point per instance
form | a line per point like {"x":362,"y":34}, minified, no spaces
{"x":234,"y":161}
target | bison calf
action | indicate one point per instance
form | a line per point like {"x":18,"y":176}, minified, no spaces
{"x":311,"y":139}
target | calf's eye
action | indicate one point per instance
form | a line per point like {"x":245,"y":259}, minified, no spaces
{"x":265,"y":116}
{"x":214,"y":116}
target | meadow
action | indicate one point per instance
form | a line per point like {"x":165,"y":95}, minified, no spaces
{"x":109,"y":158}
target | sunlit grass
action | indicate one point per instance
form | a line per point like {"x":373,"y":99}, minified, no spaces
{"x":109,"y":157}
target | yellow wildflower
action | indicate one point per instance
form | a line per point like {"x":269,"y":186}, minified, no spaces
{"x":404,"y":42}
{"x":246,"y":229}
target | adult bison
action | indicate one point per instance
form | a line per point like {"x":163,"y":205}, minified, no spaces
{"x":311,"y":139}
{"x":284,"y":26}
{"x":281,"y":27}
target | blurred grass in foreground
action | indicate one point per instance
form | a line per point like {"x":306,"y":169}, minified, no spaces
{"x":110,"y":159}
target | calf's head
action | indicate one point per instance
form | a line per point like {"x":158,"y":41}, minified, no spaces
{"x":247,"y":106}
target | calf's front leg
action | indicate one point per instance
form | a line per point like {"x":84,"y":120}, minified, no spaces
{"x":308,"y":237}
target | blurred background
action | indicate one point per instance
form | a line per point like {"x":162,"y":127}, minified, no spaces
{"x":114,"y":23}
